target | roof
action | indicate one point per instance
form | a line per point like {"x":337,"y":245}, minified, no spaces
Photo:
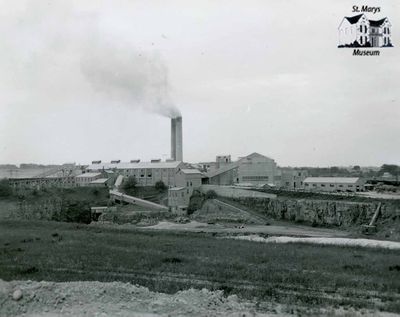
{"x":88,"y":175}
{"x":254,"y":154}
{"x":190,"y":171}
{"x":99,"y":181}
{"x":341,"y":180}
{"x":377,"y":22}
{"x":137,"y":165}
{"x":354,"y":19}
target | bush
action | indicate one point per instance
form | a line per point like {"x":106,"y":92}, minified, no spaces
{"x":75,"y":212}
{"x":196,"y":202}
{"x":211,"y":194}
{"x":130,"y":183}
{"x":160,"y":186}
{"x":5,"y":188}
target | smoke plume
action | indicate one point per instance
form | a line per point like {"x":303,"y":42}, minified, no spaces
{"x":66,"y":53}
{"x":128,"y":76}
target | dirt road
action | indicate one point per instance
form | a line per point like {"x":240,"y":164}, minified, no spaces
{"x":275,"y":230}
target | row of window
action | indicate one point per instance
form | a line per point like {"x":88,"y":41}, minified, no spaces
{"x":255,"y":178}
{"x":330,"y":185}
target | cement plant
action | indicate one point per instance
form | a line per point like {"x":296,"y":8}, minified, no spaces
{"x":250,"y":199}
{"x":279,"y":194}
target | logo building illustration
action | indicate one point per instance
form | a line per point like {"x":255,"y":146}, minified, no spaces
{"x":359,"y":31}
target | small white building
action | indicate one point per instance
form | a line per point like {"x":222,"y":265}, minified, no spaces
{"x":334,"y":184}
{"x":86,"y":178}
{"x":291,"y":178}
{"x":100,"y":182}
{"x":189,"y":178}
{"x":178,"y":200}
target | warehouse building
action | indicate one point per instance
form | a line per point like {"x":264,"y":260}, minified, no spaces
{"x":86,"y":178}
{"x":334,"y":184}
{"x":292,"y":179}
{"x":191,"y":179}
{"x":254,"y":169}
{"x":145,"y":173}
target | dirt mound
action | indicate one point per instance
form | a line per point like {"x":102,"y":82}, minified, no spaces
{"x":121,"y":299}
{"x":112,"y":299}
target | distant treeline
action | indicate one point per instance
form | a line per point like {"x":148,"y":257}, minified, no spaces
{"x":355,"y":171}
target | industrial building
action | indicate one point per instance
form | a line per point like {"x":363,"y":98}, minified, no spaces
{"x":145,"y":173}
{"x":254,"y":169}
{"x":290,"y":178}
{"x":334,"y":184}
{"x":42,"y":182}
{"x":178,"y":200}
{"x":187,"y":180}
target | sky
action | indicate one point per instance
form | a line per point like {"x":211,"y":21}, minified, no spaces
{"x":98,"y":80}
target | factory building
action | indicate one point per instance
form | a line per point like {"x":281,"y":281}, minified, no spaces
{"x":42,"y":182}
{"x":334,"y":184}
{"x":178,"y":200}
{"x":145,"y":173}
{"x":187,"y":180}
{"x":290,"y":178}
{"x":254,"y":169}
{"x":191,"y":179}
{"x":86,"y":178}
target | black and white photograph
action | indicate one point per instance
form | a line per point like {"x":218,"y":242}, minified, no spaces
{"x":199,"y":158}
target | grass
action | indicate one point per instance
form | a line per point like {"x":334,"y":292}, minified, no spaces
{"x":170,"y":261}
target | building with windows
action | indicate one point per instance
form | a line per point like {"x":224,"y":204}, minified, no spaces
{"x":86,"y":178}
{"x":291,"y":179}
{"x":334,"y":184}
{"x":178,"y":200}
{"x":191,"y":179}
{"x":254,"y":169}
{"x":145,"y":173}
{"x":360,"y":31}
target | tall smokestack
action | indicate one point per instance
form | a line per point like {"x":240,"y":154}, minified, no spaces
{"x":176,"y":139}
{"x":178,"y":136}
{"x":173,"y":139}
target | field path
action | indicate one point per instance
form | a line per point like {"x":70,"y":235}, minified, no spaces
{"x":276,"y":230}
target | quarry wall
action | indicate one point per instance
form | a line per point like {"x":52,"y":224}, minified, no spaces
{"x":318,"y":212}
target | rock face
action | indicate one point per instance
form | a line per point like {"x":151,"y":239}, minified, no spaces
{"x":318,"y":212}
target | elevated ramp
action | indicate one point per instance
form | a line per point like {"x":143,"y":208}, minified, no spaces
{"x":119,"y":181}
{"x":118,"y":196}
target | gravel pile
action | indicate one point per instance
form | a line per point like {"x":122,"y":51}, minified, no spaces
{"x":29,"y":298}
{"x":50,"y":299}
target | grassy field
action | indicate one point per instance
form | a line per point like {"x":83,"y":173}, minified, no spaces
{"x":168,"y":261}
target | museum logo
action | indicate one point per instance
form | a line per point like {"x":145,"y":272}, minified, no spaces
{"x":360,"y":32}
